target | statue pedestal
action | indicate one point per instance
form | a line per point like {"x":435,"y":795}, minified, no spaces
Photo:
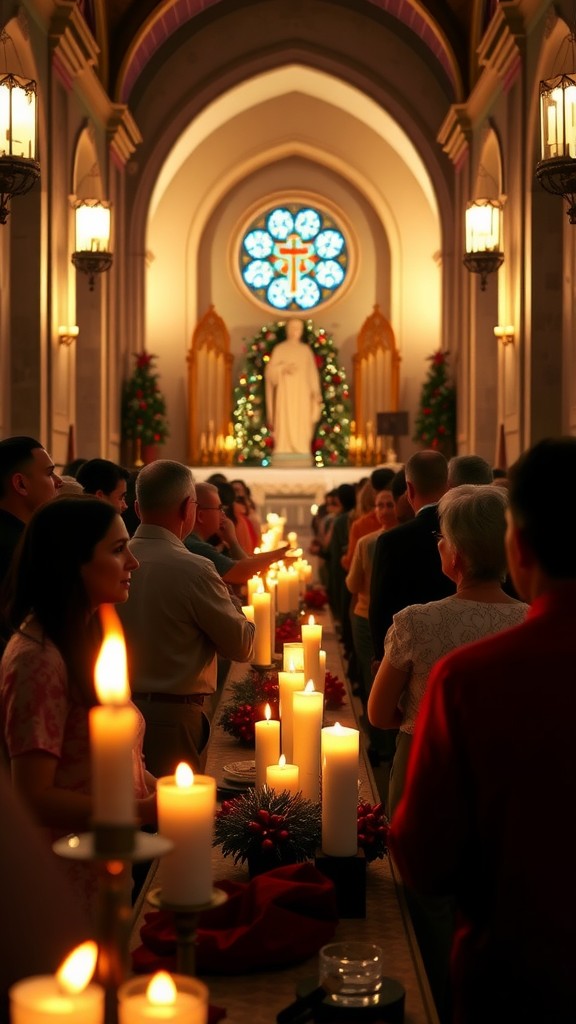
{"x":291,"y":460}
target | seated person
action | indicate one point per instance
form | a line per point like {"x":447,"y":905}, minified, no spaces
{"x":106,"y":480}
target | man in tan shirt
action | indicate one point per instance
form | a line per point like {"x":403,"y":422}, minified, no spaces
{"x":178,"y":619}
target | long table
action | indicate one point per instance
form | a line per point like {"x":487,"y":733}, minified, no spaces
{"x":257,"y":998}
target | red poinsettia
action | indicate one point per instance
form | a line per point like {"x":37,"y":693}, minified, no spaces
{"x":334,"y":692}
{"x":315,"y":597}
{"x":372,"y":830}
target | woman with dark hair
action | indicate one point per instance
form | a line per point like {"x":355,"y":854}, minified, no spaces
{"x":74,"y":556}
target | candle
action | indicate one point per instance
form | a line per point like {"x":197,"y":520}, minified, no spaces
{"x":186,"y":806}
{"x":253,"y":585}
{"x":163,"y":997}
{"x":340,"y":754}
{"x":67,"y":995}
{"x":311,"y":641}
{"x":322,"y":679}
{"x":248,"y":610}
{"x":262,"y":638}
{"x":283,"y":592}
{"x":307,"y":710}
{"x":294,"y":590}
{"x":267,"y":744}
{"x":292,"y":539}
{"x":271,"y":587}
{"x":293,"y":655}
{"x":113,"y":729}
{"x":283,"y":776}
{"x":288,"y":684}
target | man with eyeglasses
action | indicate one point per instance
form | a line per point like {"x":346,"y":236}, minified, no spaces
{"x":236,"y":567}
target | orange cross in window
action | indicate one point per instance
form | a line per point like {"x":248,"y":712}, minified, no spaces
{"x":292,"y":250}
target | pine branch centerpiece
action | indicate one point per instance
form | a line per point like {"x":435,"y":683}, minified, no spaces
{"x":268,"y":829}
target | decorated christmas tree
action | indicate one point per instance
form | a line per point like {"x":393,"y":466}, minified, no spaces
{"x":254,"y":441}
{"x":436,"y":420}
{"x":143,"y":405}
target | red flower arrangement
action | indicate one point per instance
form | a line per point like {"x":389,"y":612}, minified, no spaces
{"x":316,"y":597}
{"x":248,"y":705}
{"x":334,"y":692}
{"x":287,"y":631}
{"x":372,"y":830}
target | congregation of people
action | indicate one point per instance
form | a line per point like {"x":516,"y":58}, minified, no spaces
{"x":454,"y":596}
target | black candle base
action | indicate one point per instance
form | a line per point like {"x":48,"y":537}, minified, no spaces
{"x":389,"y":1007}
{"x":349,"y":877}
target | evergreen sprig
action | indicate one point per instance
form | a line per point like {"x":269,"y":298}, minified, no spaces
{"x":263,"y":822}
{"x":254,"y":441}
{"x":143,"y":405}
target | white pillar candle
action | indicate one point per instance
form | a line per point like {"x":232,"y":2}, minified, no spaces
{"x":272,"y":587}
{"x":292,"y":539}
{"x":307,"y":575}
{"x":186,"y":806}
{"x":253,"y":585}
{"x":113,"y":729}
{"x":293,"y":656}
{"x":283,"y":776}
{"x":311,"y":641}
{"x":307,"y":711}
{"x":262,"y":639}
{"x":283,"y":591}
{"x":322,"y":669}
{"x":294,"y":590}
{"x":65,"y":996}
{"x":340,"y":749}
{"x":248,"y":610}
{"x":174,"y":999}
{"x":267,"y":745}
{"x":288,"y":683}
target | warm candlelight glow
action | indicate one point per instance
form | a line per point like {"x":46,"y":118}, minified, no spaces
{"x":111,"y":672}
{"x":291,"y":667}
{"x":310,"y":688}
{"x":161,"y":991}
{"x":184,"y":776}
{"x":77,"y":969}
{"x":311,"y":620}
{"x":282,"y":761}
{"x":267,"y":712}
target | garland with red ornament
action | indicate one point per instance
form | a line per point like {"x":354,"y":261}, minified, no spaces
{"x":436,"y":421}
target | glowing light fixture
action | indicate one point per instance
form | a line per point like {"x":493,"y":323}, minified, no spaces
{"x":92,"y":249}
{"x":19,"y":168}
{"x":556,"y":170}
{"x":505,"y":334}
{"x":483,"y":238}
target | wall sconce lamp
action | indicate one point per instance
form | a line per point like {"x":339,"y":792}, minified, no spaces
{"x":19,"y":169}
{"x":67,"y":335}
{"x":483,"y":238}
{"x":505,"y":334}
{"x":92,"y":250}
{"x":556,"y":170}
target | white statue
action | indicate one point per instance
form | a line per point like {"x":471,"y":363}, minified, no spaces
{"x":293,"y":394}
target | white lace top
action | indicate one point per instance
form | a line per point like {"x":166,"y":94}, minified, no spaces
{"x":421,"y":634}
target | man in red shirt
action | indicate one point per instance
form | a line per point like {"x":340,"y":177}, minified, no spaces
{"x":488,"y":812}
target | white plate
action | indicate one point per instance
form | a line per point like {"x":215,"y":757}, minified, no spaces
{"x":240,"y":771}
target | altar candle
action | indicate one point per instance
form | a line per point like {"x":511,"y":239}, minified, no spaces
{"x":311,"y":641}
{"x":292,"y":539}
{"x":253,"y":585}
{"x":288,"y":684}
{"x":283,"y":776}
{"x":163,"y":997}
{"x":308,"y":708}
{"x":293,"y":655}
{"x":186,"y":806}
{"x":113,"y":728}
{"x":267,"y":745}
{"x":322,"y":678}
{"x":66,"y":996}
{"x":262,"y":639}
{"x":248,"y":610}
{"x":272,"y":587}
{"x":340,"y":748}
{"x":294,"y":590}
{"x":283,"y":592}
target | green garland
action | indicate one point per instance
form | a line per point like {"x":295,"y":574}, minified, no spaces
{"x":254,"y":442}
{"x":436,"y":421}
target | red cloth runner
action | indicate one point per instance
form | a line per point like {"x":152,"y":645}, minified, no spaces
{"x":280,"y":917}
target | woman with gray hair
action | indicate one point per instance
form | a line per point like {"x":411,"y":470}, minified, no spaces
{"x":471,"y":548}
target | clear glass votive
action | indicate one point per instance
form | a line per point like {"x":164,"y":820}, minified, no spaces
{"x":351,"y":972}
{"x":187,"y":1003}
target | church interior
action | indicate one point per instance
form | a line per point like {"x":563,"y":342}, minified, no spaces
{"x":189,"y":122}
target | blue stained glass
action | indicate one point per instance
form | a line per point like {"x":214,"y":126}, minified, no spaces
{"x":280,"y":223}
{"x":329,"y":243}
{"x":308,"y":294}
{"x":258,"y":274}
{"x":307,"y":224}
{"x":278,"y":294}
{"x":329,"y":274}
{"x":258,"y":244}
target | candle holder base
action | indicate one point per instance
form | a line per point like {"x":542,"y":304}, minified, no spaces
{"x":186,"y":925}
{"x":84,"y":847}
{"x":349,"y":877}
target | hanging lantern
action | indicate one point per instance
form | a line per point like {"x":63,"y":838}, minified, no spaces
{"x":19,"y":169}
{"x":483,"y":238}
{"x":556,"y":171}
{"x":92,"y":248}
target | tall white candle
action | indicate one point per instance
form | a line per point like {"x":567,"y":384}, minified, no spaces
{"x":66,"y":996}
{"x":253,"y":585}
{"x":288,"y":684}
{"x":272,"y":587}
{"x":267,"y":745}
{"x":294,"y":590}
{"x":340,"y":754}
{"x":311,"y":641}
{"x":186,"y":806}
{"x":174,"y":999}
{"x":293,"y":656}
{"x":113,"y":728}
{"x":262,"y":639}
{"x":283,"y":592}
{"x":307,"y":711}
{"x":283,"y":776}
{"x":322,"y":677}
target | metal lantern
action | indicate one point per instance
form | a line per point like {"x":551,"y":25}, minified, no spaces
{"x":19,"y":168}
{"x":483,"y":238}
{"x":92,"y":248}
{"x":556,"y":171}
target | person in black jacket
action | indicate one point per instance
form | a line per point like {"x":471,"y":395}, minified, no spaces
{"x":407,"y":568}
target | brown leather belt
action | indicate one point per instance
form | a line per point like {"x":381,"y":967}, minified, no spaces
{"x":172,"y":698}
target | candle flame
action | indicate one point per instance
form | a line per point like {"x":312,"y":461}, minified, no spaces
{"x":338,"y":728}
{"x":267,"y":712}
{"x":75,"y":972}
{"x":309,"y":688}
{"x":161,"y":990}
{"x":184,"y":776}
{"x":282,"y":761}
{"x":291,"y":666}
{"x":111,"y":672}
{"x":311,"y":620}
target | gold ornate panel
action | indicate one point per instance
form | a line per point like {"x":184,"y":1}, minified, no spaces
{"x":209,"y":385}
{"x":376,"y":372}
